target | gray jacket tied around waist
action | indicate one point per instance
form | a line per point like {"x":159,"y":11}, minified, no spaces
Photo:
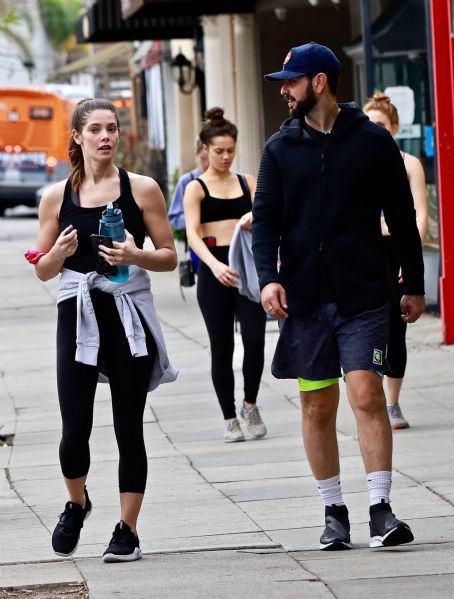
{"x":130,"y":296}
{"x":242,"y":260}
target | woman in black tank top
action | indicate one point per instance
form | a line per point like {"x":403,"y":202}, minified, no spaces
{"x":381,"y":111}
{"x":214,"y":204}
{"x":68,"y":214}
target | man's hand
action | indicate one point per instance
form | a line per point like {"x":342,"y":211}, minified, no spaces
{"x":245,"y":221}
{"x":412,"y":307}
{"x":274,"y":300}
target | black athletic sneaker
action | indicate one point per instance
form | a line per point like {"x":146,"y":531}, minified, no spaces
{"x":336,"y":536}
{"x":385,"y":529}
{"x":66,"y":534}
{"x":124,"y":545}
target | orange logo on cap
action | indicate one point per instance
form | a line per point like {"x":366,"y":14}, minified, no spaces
{"x":288,"y":57}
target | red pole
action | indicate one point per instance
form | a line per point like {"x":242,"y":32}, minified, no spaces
{"x":443,"y":58}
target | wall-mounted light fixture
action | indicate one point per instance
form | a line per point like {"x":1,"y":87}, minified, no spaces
{"x":280,"y":12}
{"x":190,"y":75}
{"x":183,"y":73}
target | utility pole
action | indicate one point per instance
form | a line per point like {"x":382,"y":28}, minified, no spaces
{"x":443,"y":60}
{"x":367,"y":47}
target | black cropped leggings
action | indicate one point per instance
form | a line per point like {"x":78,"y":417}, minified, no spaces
{"x":397,"y":346}
{"x":219,"y":305}
{"x":128,"y":379}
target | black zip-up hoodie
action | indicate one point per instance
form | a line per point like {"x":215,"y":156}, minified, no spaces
{"x":311,"y":200}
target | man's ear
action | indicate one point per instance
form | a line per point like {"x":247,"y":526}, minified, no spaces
{"x":319,"y":82}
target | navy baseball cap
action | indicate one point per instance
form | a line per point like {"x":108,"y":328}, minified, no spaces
{"x":308,"y":59}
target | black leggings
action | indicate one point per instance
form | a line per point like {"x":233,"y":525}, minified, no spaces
{"x":219,"y":305}
{"x":397,"y":347}
{"x":128,"y":378}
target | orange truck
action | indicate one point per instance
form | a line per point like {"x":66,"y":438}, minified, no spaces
{"x":34,"y":133}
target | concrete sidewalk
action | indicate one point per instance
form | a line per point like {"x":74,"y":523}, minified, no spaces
{"x":218,"y":520}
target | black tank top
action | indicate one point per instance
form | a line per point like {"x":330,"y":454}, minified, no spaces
{"x":215,"y":209}
{"x":86,"y":221}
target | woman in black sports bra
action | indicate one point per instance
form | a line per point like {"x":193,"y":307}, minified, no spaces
{"x":214,"y":204}
{"x":69,"y":213}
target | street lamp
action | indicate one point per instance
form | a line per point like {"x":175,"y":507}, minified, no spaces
{"x":190,"y":75}
{"x":182,"y":69}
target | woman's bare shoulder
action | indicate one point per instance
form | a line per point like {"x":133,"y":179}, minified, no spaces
{"x":411,"y":159}
{"x":54,"y":193}
{"x":413,"y":164}
{"x":194,"y":189}
{"x":143,"y":182}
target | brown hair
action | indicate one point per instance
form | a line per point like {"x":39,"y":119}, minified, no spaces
{"x":381,"y":102}
{"x":78,"y":120}
{"x":198,"y":146}
{"x":215,"y":124}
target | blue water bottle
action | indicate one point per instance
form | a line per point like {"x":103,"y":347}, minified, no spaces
{"x":111,"y":224}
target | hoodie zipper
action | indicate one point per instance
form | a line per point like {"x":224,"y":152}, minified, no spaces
{"x":322,"y":179}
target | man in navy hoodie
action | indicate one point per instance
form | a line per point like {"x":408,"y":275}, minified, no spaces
{"x":325,"y":179}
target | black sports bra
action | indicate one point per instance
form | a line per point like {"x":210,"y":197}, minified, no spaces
{"x":215,"y":209}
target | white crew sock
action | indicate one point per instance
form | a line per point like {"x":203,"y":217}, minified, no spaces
{"x":379,"y":484}
{"x":330,"y":490}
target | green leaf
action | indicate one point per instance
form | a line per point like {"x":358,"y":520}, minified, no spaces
{"x":59,"y":18}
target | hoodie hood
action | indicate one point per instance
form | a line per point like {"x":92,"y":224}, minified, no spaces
{"x":350,"y":116}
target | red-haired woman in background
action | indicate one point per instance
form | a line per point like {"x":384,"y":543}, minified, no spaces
{"x":380,"y":110}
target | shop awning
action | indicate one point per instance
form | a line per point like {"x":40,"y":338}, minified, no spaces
{"x":400,"y":28}
{"x":101,"y":57}
{"x":103,"y":22}
{"x":184,"y":7}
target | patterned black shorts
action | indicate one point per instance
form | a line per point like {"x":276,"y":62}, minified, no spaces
{"x":327,"y":345}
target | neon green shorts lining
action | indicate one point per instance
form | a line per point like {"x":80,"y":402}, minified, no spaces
{"x":306,"y":385}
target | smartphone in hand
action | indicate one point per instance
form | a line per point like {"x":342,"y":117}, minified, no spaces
{"x":102,"y":266}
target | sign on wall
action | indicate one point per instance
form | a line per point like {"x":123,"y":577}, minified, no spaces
{"x":403,"y":98}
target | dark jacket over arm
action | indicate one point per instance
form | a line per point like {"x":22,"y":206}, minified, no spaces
{"x":267,"y":216}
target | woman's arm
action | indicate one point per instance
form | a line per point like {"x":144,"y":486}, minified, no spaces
{"x":58,"y":246}
{"x":417,"y":180}
{"x":150,"y":200}
{"x":193,"y":197}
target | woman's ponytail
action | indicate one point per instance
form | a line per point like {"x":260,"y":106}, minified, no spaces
{"x":77,"y":164}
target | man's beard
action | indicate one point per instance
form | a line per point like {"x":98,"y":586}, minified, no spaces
{"x":304,"y":107}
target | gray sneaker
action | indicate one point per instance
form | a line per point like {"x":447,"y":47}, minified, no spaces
{"x":396,"y":417}
{"x":233,"y":432}
{"x":253,"y":422}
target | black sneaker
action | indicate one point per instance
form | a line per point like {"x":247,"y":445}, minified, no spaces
{"x":124,"y":545}
{"x":336,"y":536}
{"x":385,"y":529}
{"x":66,"y":534}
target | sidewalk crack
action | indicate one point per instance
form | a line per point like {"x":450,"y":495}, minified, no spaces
{"x":22,"y":500}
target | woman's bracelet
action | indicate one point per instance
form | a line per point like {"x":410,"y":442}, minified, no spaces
{"x":33,"y":256}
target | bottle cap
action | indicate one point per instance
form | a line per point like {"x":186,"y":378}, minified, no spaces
{"x":111,"y":213}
